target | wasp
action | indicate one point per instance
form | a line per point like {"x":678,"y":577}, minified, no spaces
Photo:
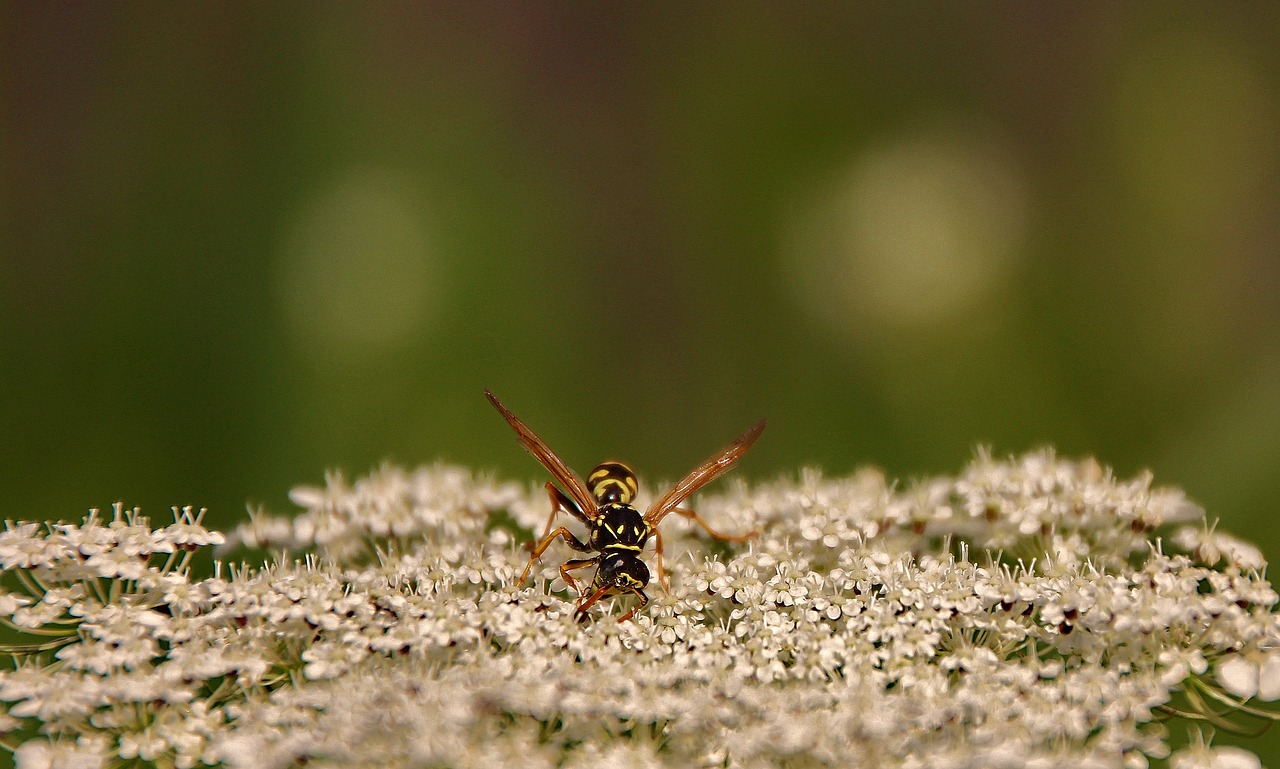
{"x":617,"y":531}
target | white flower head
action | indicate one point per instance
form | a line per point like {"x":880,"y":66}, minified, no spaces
{"x":1027,"y":612}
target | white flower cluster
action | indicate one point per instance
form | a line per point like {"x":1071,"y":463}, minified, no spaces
{"x":1030,"y":612}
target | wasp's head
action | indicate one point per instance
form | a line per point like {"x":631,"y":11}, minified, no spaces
{"x":612,"y":483}
{"x":622,"y":571}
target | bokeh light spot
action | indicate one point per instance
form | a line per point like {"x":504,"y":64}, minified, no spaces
{"x":911,"y":235}
{"x":358,"y":273}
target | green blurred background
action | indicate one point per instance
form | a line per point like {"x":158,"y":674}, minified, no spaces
{"x":242,"y":243}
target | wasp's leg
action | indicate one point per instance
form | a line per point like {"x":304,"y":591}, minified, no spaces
{"x":569,"y":539}
{"x":715,"y":534}
{"x":662,"y":567}
{"x":568,"y":566}
{"x":580,"y":613}
{"x":558,"y":502}
{"x":644,"y":599}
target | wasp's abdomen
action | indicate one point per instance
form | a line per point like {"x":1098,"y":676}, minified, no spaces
{"x":612,"y":483}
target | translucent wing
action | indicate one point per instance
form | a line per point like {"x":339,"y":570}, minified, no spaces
{"x":543,"y":453}
{"x":703,"y":474}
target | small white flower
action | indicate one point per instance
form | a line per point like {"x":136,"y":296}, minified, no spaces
{"x":329,"y":660}
{"x":186,"y":531}
{"x":1223,"y":757}
{"x":117,"y":564}
{"x":146,"y":745}
{"x":43,"y":754}
{"x":9,"y":603}
{"x":1250,"y":675}
{"x":1212,"y":546}
{"x":22,"y":548}
{"x":37,"y":616}
{"x":65,"y":696}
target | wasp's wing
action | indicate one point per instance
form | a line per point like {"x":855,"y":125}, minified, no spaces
{"x":543,"y":453}
{"x":703,"y":474}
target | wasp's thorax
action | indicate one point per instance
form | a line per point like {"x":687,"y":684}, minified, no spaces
{"x":619,"y":532}
{"x":619,"y":529}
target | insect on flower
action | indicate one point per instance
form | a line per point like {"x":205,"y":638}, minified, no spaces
{"x":617,"y":531}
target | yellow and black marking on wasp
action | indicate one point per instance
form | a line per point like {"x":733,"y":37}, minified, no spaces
{"x":617,"y":531}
